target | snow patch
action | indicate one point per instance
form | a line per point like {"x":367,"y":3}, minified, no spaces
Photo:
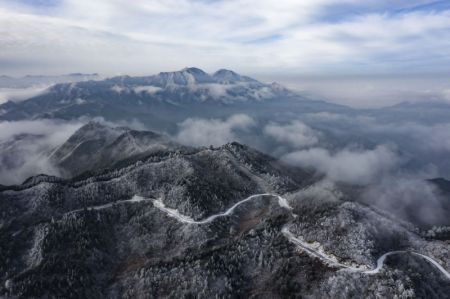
{"x":21,"y":94}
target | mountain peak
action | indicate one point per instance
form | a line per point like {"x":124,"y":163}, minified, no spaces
{"x":194,"y":71}
{"x":229,"y":76}
{"x":224,"y":72}
{"x":186,"y":76}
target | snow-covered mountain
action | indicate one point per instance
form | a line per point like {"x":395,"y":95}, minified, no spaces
{"x":194,"y":85}
{"x":95,"y":146}
{"x":208,"y":222}
{"x":186,"y":77}
{"x":162,"y":100}
{"x":127,"y":213}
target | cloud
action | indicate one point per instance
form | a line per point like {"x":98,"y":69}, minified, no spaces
{"x":410,"y":198}
{"x":356,"y":166}
{"x":147,"y":89}
{"x":427,"y":137}
{"x":428,"y":134}
{"x":295,"y":133}
{"x":20,"y":94}
{"x":25,"y":145}
{"x":215,"y":132}
{"x":247,"y":35}
{"x":8,"y":129}
{"x":372,"y":91}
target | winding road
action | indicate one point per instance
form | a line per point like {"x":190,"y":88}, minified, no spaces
{"x":135,"y":198}
{"x":284,"y":203}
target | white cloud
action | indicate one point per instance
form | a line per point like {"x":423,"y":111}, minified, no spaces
{"x":148,"y":89}
{"x":80,"y":101}
{"x":295,"y":133}
{"x":25,"y":145}
{"x":247,"y":35}
{"x":216,"y":90}
{"x":356,"y":166}
{"x":434,"y":137}
{"x":413,"y":199}
{"x":119,"y":89}
{"x":20,"y":94}
{"x":212,"y":131}
{"x":9,"y":129}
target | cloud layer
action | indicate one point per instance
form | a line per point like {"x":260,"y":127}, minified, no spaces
{"x":25,"y":145}
{"x":204,"y":132}
{"x":295,"y":133}
{"x":20,"y":94}
{"x":356,"y":166}
{"x":412,"y":199}
{"x":248,"y":35}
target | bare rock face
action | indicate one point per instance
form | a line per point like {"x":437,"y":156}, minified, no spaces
{"x":183,"y":222}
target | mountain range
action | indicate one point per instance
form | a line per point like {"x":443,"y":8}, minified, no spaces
{"x":162,"y":100}
{"x":164,"y":220}
{"x":96,"y":146}
{"x":124,"y":212}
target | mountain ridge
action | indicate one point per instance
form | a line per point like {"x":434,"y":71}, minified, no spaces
{"x":90,"y":237}
{"x":163,"y":100}
{"x":95,"y":145}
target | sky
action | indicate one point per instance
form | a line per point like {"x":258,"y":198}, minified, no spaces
{"x":318,"y":37}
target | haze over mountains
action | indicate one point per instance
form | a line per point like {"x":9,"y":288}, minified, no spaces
{"x":167,"y":97}
{"x":39,"y":80}
{"x":187,"y":183}
{"x":197,"y":108}
{"x":21,"y":88}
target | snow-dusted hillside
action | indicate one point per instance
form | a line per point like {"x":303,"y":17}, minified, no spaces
{"x":95,"y":146}
{"x":173,"y":223}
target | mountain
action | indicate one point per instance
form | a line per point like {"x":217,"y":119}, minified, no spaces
{"x":229,"y":77}
{"x":96,"y":146}
{"x":205,"y":222}
{"x":163,"y":100}
{"x":92,"y":147}
{"x":186,"y":77}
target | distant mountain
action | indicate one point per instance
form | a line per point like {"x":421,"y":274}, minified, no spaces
{"x":186,"y":77}
{"x":230,"y":77}
{"x":162,"y":100}
{"x":95,"y":146}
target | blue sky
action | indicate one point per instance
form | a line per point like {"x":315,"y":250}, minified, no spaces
{"x":330,"y":37}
